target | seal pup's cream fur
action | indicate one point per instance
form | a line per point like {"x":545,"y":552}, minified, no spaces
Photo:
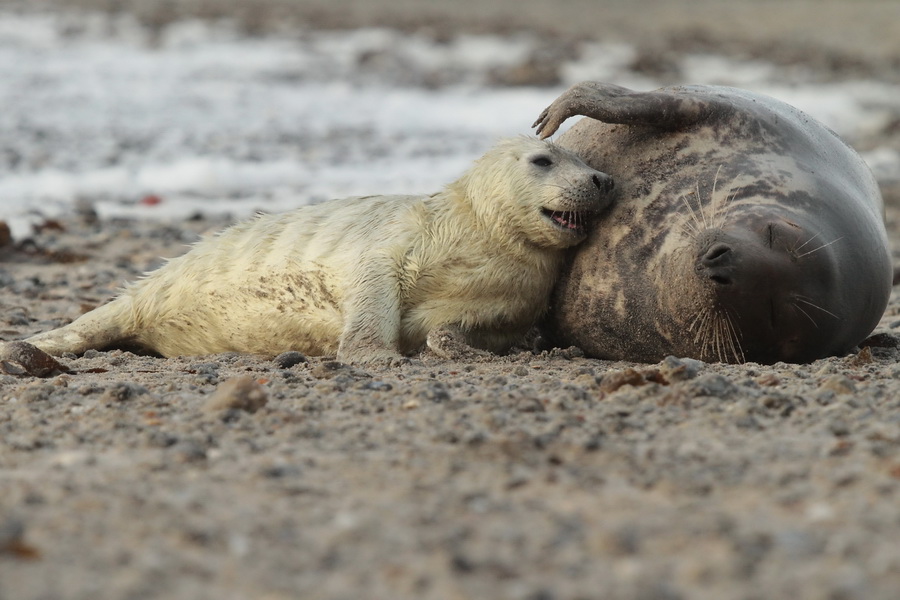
{"x":370,"y":277}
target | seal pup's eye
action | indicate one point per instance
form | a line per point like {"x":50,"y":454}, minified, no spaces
{"x":541,"y":161}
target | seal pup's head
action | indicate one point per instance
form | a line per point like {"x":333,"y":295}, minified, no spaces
{"x":536,"y":192}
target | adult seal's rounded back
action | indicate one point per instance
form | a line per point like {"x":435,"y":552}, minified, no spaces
{"x":743,"y":230}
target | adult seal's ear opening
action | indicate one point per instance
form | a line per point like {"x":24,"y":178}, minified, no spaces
{"x":744,"y":230}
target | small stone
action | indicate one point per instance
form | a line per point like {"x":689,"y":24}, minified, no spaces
{"x":377,"y":386}
{"x":715,"y":385}
{"x":679,"y":369}
{"x":36,"y":393}
{"x":436,"y":392}
{"x":839,"y":427}
{"x":30,"y":359}
{"x":204,"y":368}
{"x":567,"y":353}
{"x":768,"y":380}
{"x":882,"y":339}
{"x":616,"y":379}
{"x":862,"y":358}
{"x":12,"y":368}
{"x":122,"y":391}
{"x":332,"y":368}
{"x":5,"y":234}
{"x":238,"y":393}
{"x":286,"y":360}
{"x":188,"y":451}
{"x":838,"y":384}
{"x":12,"y":540}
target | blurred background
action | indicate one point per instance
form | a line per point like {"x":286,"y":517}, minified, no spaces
{"x":168,"y":108}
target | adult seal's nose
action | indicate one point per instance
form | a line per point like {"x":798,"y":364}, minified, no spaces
{"x":717,"y":263}
{"x":604,"y":182}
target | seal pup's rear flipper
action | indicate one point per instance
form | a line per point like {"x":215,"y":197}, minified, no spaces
{"x":615,"y":104}
{"x":98,"y":329}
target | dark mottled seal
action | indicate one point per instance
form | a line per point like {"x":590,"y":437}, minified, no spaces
{"x":743,"y":230}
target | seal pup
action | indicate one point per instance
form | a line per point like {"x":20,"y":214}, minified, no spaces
{"x":744,"y":230}
{"x":369,"y":278}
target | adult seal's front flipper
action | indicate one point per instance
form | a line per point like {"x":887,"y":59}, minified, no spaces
{"x":670,"y":109}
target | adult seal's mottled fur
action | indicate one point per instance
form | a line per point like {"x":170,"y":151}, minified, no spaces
{"x":368,"y":278}
{"x":743,"y":230}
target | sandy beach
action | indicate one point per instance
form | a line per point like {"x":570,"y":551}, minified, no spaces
{"x":544,"y":476}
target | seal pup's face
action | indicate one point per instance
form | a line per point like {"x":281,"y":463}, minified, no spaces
{"x":538,"y":191}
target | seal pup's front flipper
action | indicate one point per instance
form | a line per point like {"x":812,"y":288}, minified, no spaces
{"x":372,"y":315}
{"x":615,"y":104}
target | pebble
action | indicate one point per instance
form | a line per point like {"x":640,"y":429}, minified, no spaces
{"x":679,"y":369}
{"x":12,"y":540}
{"x":21,"y":358}
{"x":715,"y":385}
{"x":122,"y":391}
{"x":838,"y":384}
{"x":377,"y":386}
{"x":36,"y":393}
{"x":882,"y":339}
{"x":286,"y":360}
{"x":616,"y":379}
{"x":436,"y":392}
{"x":238,"y":393}
{"x":332,"y":368}
{"x":188,"y":451}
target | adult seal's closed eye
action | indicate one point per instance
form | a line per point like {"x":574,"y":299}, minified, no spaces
{"x":368,"y":278}
{"x":744,"y":230}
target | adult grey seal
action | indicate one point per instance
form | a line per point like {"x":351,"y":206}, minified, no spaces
{"x":368,"y":278}
{"x":743,"y":230}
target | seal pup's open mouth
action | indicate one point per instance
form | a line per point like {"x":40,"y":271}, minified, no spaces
{"x":568,"y":220}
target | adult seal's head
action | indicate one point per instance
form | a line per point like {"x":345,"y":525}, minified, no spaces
{"x":743,"y":230}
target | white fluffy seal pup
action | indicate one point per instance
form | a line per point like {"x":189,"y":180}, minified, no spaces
{"x":368,"y":278}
